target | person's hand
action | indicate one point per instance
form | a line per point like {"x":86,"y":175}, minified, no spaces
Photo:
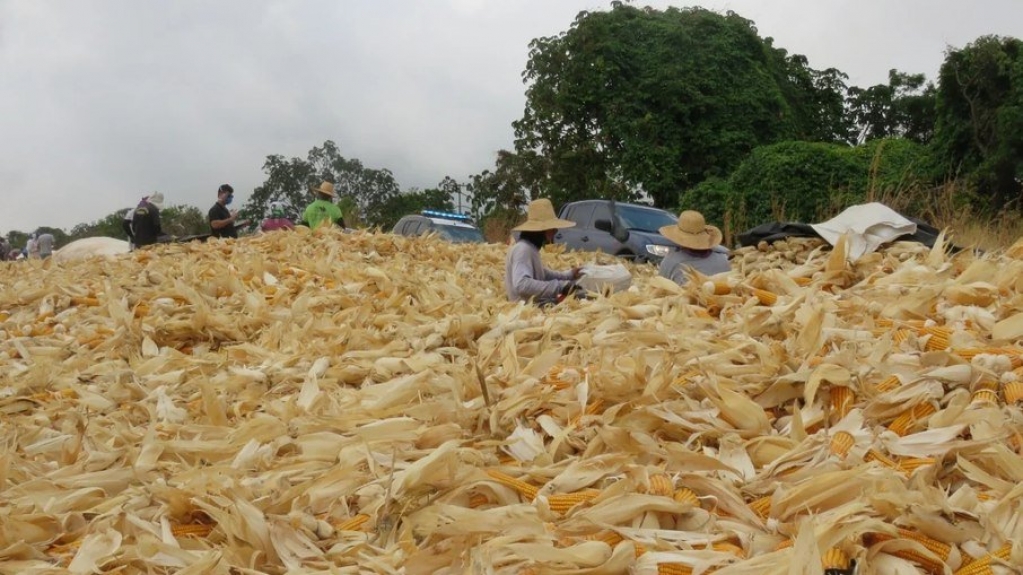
{"x":234,"y":214}
{"x":577,"y":273}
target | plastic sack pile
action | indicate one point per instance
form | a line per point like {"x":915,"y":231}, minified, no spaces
{"x":330,"y":403}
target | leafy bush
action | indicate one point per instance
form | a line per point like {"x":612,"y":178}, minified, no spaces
{"x":806,"y":181}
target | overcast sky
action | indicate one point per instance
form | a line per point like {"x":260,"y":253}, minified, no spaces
{"x":102,"y":101}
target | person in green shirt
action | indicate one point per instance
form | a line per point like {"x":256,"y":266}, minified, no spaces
{"x":323,"y":209}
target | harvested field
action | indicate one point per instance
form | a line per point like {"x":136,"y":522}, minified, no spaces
{"x":328,"y":403}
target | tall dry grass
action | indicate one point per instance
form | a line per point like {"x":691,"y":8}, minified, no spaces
{"x":948,"y":207}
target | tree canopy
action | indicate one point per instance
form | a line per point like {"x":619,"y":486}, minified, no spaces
{"x":632,"y":101}
{"x":368,"y":196}
{"x":979,"y":129}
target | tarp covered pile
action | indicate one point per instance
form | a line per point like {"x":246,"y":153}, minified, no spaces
{"x":332,"y":403}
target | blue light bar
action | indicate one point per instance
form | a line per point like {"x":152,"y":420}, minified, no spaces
{"x":447,"y":215}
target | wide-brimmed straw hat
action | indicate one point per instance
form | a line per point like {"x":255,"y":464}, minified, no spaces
{"x":540,"y":217}
{"x":326,"y":188}
{"x":692,"y":232}
{"x":156,"y":199}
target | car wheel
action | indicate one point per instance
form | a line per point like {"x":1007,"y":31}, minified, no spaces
{"x":626,"y":254}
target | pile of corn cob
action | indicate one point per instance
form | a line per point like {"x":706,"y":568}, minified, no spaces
{"x":358,"y":403}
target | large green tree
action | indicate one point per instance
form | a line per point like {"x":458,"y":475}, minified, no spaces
{"x":979,"y":132}
{"x":365,"y":190}
{"x":904,"y":107}
{"x":632,"y":101}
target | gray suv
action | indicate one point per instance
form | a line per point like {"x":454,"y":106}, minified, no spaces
{"x":455,"y":228}
{"x":626,"y":230}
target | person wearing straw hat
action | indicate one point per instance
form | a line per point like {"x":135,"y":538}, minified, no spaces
{"x":145,"y":221}
{"x":323,"y":209}
{"x":699,"y":248}
{"x":525,"y":278}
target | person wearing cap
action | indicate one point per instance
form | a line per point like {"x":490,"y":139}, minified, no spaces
{"x":323,"y":209}
{"x":224,"y":222}
{"x":277,"y":220}
{"x":525,"y":278}
{"x":145,"y":221}
{"x":699,"y":248}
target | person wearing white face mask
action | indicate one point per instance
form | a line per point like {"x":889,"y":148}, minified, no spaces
{"x":223,"y":222}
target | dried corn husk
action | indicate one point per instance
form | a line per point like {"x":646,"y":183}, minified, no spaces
{"x":327,"y":402}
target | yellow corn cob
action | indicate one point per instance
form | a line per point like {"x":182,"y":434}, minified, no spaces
{"x":640,"y":549}
{"x":841,"y":443}
{"x":875,"y":455}
{"x":528,"y":491}
{"x":785,"y":544}
{"x":686,"y":495}
{"x":673,"y":569}
{"x":84,"y":301}
{"x":888,"y":384}
{"x":941,"y":550}
{"x":686,"y":377}
{"x":905,"y":422}
{"x":802,"y":282}
{"x":1013,"y":391}
{"x":901,"y":335}
{"x":192,"y":530}
{"x":765,"y":297}
{"x":835,"y":558}
{"x":729,"y":547}
{"x":1016,"y":442}
{"x":982,"y":566}
{"x":660,"y":484}
{"x":65,"y":548}
{"x":701,"y":312}
{"x":939,"y":338}
{"x":911,"y":464}
{"x":984,"y":396}
{"x":353,"y":524}
{"x":48,"y":395}
{"x":478,"y":500}
{"x":762,"y":507}
{"x":721,"y":288}
{"x":883,"y":322}
{"x":562,"y":502}
{"x":612,"y":538}
{"x":842,"y":400}
{"x":592,"y":409}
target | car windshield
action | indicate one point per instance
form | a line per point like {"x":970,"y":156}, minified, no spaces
{"x":460,"y":235}
{"x":644,"y":219}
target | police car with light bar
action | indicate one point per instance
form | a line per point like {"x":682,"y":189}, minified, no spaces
{"x":454,"y":227}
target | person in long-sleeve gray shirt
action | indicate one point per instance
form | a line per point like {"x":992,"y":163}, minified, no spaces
{"x":525,"y":277}
{"x":707,"y":262}
{"x":699,"y":248}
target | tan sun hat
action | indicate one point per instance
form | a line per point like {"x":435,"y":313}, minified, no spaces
{"x":692,"y":232}
{"x":540,"y":217}
{"x":326,"y":188}
{"x":156,"y":199}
